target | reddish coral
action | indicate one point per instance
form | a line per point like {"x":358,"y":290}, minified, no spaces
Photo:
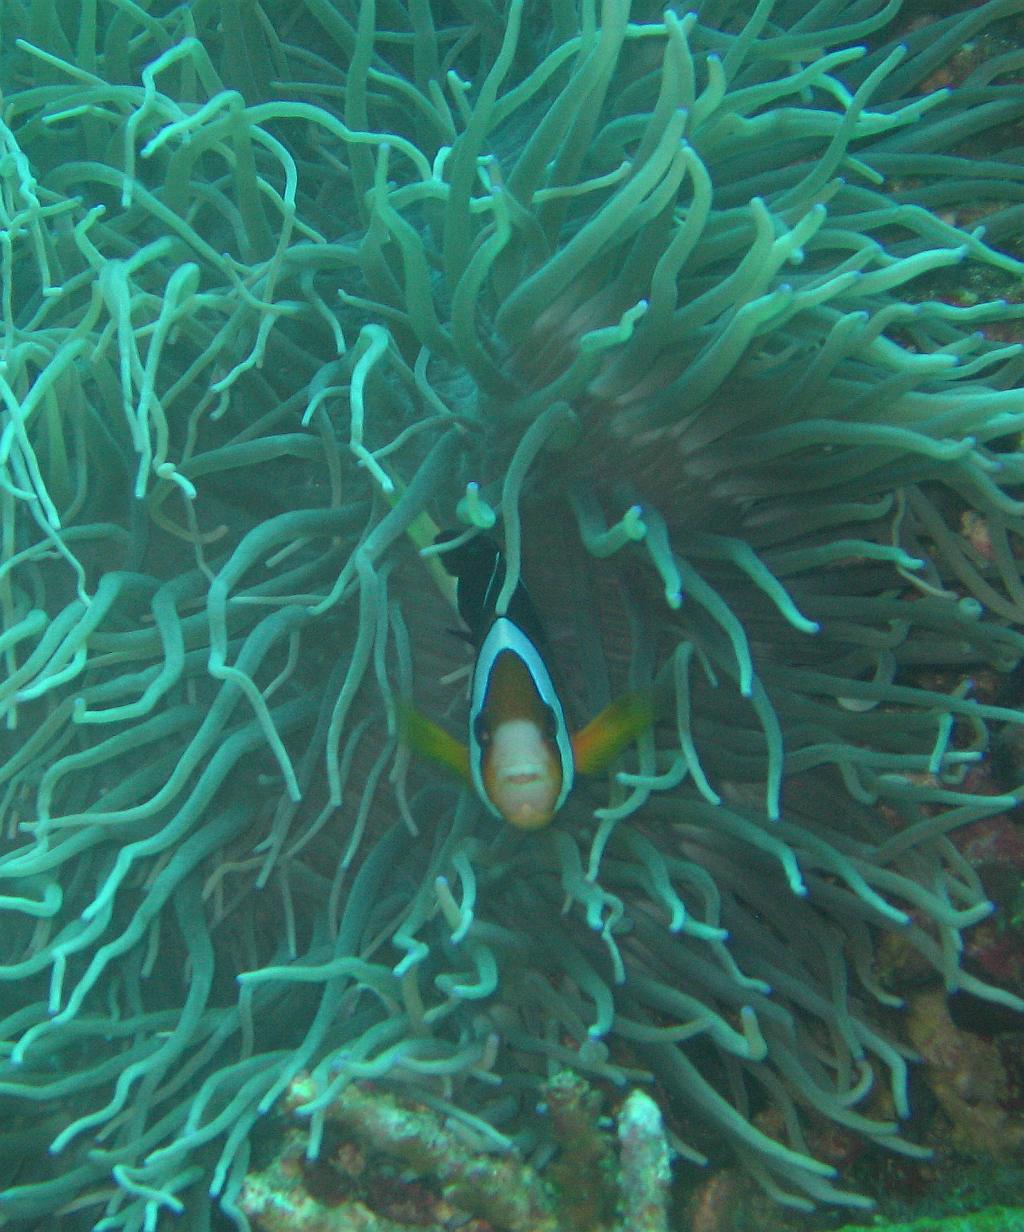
{"x":974,"y":528}
{"x":714,"y":1206}
{"x":994,"y":949}
{"x":968,"y":1077}
{"x":995,"y":840}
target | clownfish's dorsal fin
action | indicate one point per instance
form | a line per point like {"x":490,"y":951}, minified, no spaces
{"x":478,"y":565}
{"x":596,"y":746}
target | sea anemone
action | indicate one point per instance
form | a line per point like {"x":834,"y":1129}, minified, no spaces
{"x":702,"y":313}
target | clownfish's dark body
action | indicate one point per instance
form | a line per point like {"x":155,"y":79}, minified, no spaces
{"x":478,"y":567}
{"x":521,"y":759}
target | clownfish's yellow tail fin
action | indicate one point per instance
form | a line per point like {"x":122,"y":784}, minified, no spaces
{"x":597,"y":745}
{"x":426,"y":737}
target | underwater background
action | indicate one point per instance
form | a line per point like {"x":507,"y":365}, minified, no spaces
{"x":710,"y":315}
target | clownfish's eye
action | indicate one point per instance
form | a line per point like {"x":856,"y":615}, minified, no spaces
{"x":482,"y":730}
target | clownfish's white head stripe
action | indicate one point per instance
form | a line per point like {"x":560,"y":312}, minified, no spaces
{"x":520,"y":753}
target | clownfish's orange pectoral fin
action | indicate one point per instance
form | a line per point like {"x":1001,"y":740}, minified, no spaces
{"x":597,"y":745}
{"x":426,"y":737}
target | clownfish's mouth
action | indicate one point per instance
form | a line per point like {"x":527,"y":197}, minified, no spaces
{"x":527,"y":773}
{"x":526,"y":798}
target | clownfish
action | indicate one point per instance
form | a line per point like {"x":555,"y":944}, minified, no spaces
{"x":520,"y":759}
